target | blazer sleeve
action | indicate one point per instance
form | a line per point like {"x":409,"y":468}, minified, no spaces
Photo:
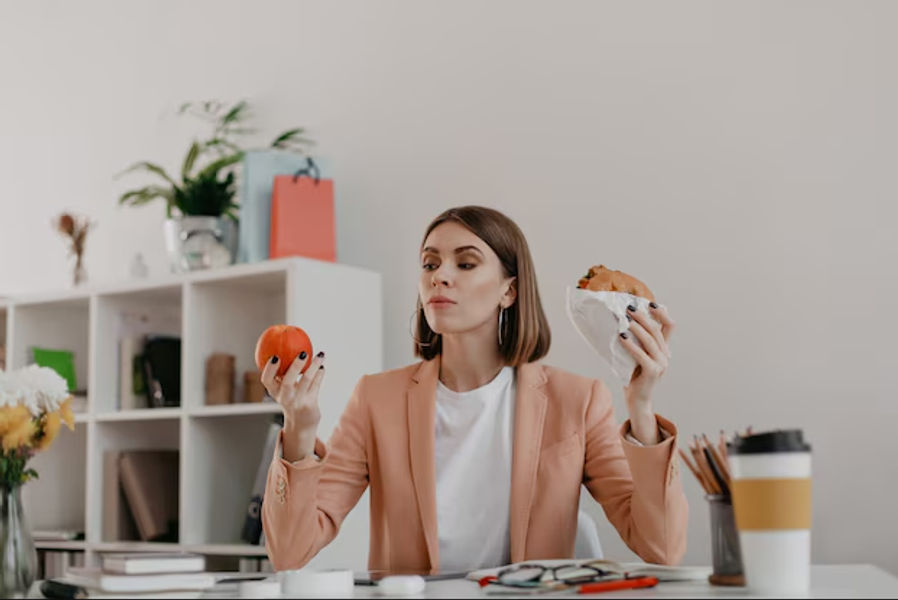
{"x":639,"y":487}
{"x":306,"y":501}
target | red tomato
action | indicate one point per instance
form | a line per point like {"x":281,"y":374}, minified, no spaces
{"x":285,"y":342}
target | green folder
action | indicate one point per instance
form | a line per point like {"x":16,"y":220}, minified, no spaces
{"x":61,"y":361}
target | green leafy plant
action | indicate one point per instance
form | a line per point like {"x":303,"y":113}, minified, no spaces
{"x":206,"y":183}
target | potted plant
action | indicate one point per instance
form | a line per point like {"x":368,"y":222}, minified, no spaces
{"x":201,"y":225}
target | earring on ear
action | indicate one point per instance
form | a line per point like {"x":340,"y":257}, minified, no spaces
{"x":501,"y":324}
{"x":411,"y":330}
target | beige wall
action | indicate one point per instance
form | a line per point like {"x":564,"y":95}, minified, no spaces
{"x":739,"y":157}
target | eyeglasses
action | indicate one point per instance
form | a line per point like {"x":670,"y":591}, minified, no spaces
{"x":536,"y":575}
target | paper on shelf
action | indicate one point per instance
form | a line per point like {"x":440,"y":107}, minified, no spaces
{"x":599,"y":318}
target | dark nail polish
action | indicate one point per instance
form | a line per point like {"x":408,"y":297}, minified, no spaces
{"x":321,"y":367}
{"x":321,"y":355}
{"x":302,"y":355}
{"x":629,"y":318}
{"x":631,"y":308}
{"x":653,"y":305}
{"x":274,"y":360}
{"x":624,"y":335}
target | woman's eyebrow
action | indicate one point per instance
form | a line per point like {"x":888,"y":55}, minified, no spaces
{"x":458,"y":250}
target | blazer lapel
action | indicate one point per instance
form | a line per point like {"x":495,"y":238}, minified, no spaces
{"x":421,"y":397}
{"x":529,"y":415}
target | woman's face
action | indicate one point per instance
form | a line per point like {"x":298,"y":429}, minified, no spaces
{"x":462,"y":283}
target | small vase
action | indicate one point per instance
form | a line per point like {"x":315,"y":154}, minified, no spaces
{"x":18,"y":560}
{"x":80,"y":274}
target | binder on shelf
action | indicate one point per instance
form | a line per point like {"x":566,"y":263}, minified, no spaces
{"x":130,"y":387}
{"x":61,"y":361}
{"x":252,"y":524}
{"x":150,"y":481}
{"x":118,"y":523}
{"x":161,"y":360}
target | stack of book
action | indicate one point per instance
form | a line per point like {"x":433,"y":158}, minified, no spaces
{"x":180,"y":575}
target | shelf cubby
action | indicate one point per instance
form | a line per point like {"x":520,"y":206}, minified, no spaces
{"x":57,"y":324}
{"x":55,"y":500}
{"x":128,"y":314}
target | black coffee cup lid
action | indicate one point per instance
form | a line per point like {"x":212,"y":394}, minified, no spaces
{"x":782,"y":440}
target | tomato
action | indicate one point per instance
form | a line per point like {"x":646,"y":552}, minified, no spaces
{"x":286,"y":342}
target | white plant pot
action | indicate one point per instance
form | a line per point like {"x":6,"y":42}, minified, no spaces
{"x":195,"y":243}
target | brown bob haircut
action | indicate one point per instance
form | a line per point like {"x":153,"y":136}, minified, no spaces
{"x":526,"y":336}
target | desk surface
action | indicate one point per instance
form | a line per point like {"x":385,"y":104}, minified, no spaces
{"x":827,"y":581}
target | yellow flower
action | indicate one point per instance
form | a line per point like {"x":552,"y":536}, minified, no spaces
{"x":65,"y":411}
{"x":11,"y":417}
{"x":51,"y":422}
{"x":20,"y":433}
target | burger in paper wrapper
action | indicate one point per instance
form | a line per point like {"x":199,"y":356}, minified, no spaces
{"x":598,"y":309}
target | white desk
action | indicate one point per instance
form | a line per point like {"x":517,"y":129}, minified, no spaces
{"x":827,"y":581}
{"x":830,"y":581}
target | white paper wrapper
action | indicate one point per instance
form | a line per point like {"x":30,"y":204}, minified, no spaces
{"x":600,"y":317}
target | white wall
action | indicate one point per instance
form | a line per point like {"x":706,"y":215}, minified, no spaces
{"x":736,"y":156}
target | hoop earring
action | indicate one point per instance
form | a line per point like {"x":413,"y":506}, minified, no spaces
{"x":501,"y":323}
{"x":412,"y":333}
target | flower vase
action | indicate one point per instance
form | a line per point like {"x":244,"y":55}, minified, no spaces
{"x":80,"y":274}
{"x":19,"y":560}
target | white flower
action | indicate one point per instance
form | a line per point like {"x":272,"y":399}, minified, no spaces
{"x":41,"y":389}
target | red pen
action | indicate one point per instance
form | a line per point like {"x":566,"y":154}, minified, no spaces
{"x":620,"y":584}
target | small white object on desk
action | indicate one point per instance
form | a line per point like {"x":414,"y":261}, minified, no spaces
{"x":308,"y":583}
{"x":401,"y":585}
{"x":267,"y":588}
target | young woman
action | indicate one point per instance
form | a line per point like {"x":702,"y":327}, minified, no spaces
{"x":475,"y":455}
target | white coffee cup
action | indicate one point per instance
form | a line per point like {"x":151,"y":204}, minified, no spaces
{"x":771,"y":489}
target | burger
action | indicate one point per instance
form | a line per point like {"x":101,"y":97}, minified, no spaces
{"x":602,"y":279}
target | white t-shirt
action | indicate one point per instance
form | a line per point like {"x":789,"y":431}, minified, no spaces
{"x":473,"y":447}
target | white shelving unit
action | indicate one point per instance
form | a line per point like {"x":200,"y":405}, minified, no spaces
{"x":220,"y":447}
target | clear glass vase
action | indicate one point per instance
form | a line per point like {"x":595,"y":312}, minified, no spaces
{"x":79,"y":275}
{"x":19,"y":560}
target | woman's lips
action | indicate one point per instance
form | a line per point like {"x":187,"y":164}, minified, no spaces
{"x":441,"y":303}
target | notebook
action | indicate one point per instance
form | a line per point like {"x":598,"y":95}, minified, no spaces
{"x":153,"y":562}
{"x":93,"y":577}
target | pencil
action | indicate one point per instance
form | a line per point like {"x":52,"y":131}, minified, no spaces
{"x":698,"y":475}
{"x":718,"y":460}
{"x":704,"y":468}
{"x":715,"y":470}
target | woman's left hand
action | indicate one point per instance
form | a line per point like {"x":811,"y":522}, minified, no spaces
{"x":653,"y":331}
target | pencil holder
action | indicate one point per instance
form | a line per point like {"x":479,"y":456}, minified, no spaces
{"x":725,"y":553}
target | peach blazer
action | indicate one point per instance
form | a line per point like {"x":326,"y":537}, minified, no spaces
{"x":565,"y":436}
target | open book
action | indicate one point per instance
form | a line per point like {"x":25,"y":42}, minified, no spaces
{"x":626,"y":569}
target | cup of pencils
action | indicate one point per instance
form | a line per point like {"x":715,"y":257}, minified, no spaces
{"x":709,"y":465}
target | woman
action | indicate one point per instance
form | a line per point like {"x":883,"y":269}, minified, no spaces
{"x":476,"y":455}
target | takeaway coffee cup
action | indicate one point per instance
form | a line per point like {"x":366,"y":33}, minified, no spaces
{"x":771,"y":489}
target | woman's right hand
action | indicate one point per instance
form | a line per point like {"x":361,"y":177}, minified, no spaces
{"x":297,"y":393}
